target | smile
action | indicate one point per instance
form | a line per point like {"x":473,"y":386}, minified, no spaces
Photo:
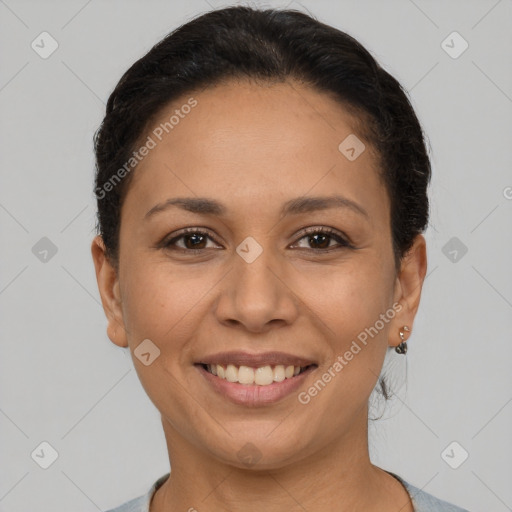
{"x":260,"y":376}
{"x":254,"y":380}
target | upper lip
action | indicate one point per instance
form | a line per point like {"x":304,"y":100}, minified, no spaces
{"x":255,"y":360}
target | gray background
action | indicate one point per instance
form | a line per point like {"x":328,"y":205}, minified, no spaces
{"x":63,"y":382}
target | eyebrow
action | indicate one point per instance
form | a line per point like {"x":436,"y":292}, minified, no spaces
{"x":306,"y":204}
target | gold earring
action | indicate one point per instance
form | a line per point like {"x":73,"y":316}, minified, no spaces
{"x":402,"y":348}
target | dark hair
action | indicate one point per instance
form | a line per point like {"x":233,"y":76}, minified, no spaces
{"x":269,"y":45}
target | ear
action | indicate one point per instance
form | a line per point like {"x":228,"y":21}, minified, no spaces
{"x":108,"y":285}
{"x":408,"y":286}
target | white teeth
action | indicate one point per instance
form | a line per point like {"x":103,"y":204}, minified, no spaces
{"x":279,"y":373}
{"x":245,"y":375}
{"x":232,"y":373}
{"x":262,"y":376}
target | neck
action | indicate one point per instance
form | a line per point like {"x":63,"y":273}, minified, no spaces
{"x":337,"y":477}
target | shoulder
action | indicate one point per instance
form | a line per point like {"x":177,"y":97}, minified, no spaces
{"x":425,"y":502}
{"x":141,"y":504}
{"x":422,"y":501}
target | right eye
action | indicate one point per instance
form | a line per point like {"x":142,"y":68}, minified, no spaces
{"x":191,"y":239}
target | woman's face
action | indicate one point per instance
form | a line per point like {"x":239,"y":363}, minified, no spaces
{"x":253,"y":288}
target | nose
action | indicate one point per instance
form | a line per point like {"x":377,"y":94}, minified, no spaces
{"x":256,"y":296}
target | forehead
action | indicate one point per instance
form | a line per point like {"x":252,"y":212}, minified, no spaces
{"x":246,"y":140}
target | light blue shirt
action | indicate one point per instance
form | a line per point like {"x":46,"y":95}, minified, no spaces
{"x":422,"y":501}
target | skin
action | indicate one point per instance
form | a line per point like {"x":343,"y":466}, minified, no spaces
{"x":252,"y":147}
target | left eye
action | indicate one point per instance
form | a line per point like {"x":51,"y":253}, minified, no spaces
{"x":321,"y":238}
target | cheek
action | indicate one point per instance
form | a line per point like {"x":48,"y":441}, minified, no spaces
{"x":153,"y":300}
{"x":160,"y":306}
{"x":166,"y":306}
{"x":352,"y":306}
{"x":348,"y":298}
{"x":350,"y":303}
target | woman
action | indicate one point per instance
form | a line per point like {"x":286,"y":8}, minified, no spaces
{"x":261,"y":187}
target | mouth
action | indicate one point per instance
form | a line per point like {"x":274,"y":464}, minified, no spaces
{"x":255,"y":379}
{"x":259,"y":376}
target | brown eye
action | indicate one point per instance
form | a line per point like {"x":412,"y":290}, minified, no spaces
{"x":195,"y":241}
{"x":319,"y":241}
{"x":190,"y":241}
{"x":322,"y":239}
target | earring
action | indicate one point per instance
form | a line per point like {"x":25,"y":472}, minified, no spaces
{"x":402,"y":348}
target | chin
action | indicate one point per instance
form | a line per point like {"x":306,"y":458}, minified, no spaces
{"x":255,"y":449}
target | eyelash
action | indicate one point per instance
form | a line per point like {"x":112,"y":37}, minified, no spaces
{"x":331,"y":233}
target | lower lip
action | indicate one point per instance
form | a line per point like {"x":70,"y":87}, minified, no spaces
{"x":253,"y":395}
